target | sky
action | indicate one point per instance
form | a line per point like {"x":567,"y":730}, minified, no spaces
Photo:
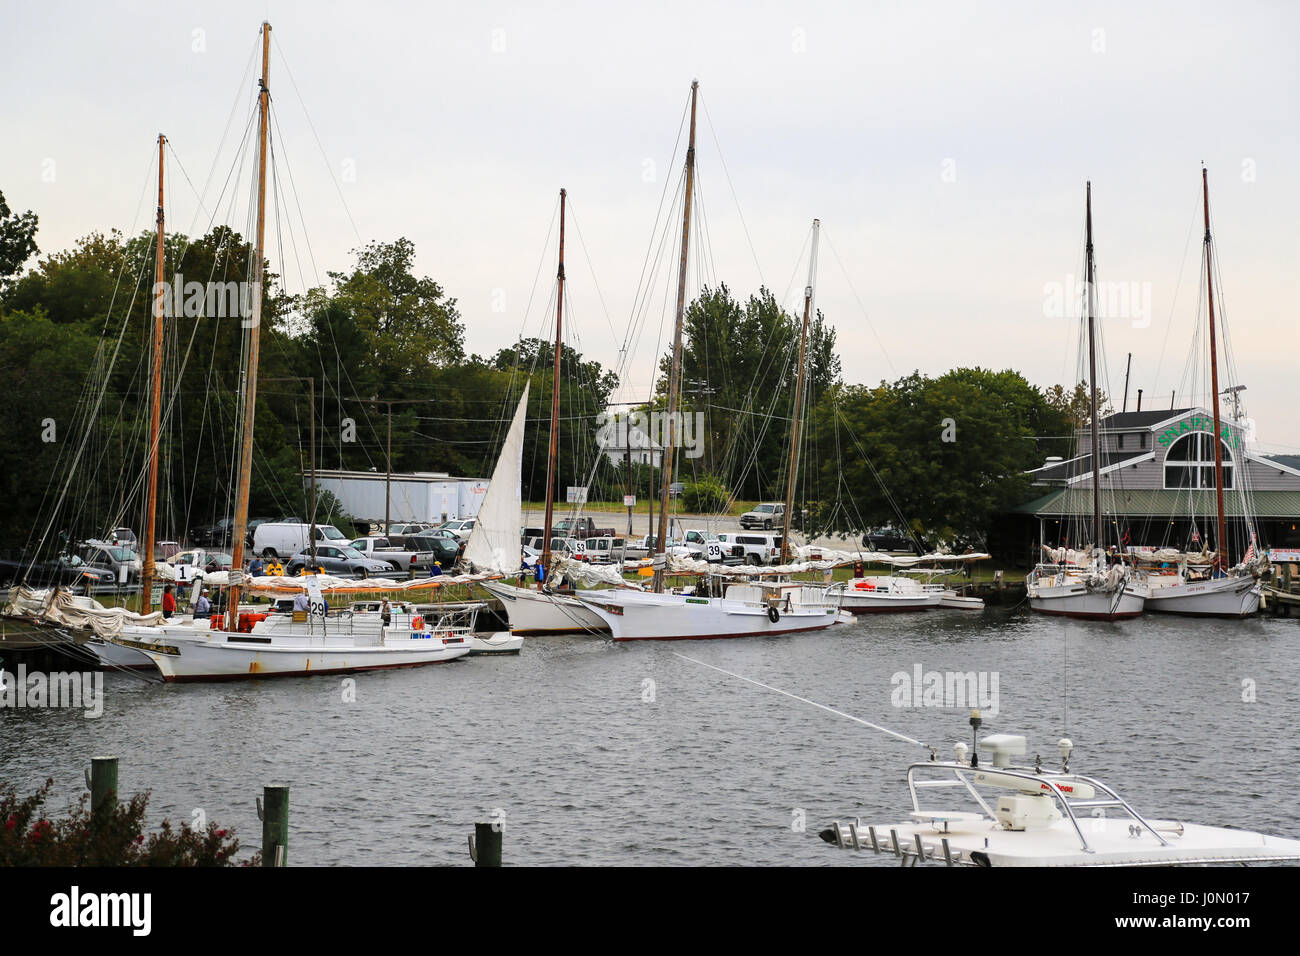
{"x":943,"y":146}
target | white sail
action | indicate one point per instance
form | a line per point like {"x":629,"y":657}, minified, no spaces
{"x":494,"y":542}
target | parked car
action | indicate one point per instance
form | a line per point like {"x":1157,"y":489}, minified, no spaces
{"x":581,"y":528}
{"x":890,"y":539}
{"x":216,"y":535}
{"x":405,"y":558}
{"x":343,"y":561}
{"x":275,"y":539}
{"x":114,"y":558}
{"x":124,"y":537}
{"x":601,"y":550}
{"x":461,"y":528}
{"x":706,"y":546}
{"x":164,"y":550}
{"x":68,"y":570}
{"x":253,"y":524}
{"x":444,"y":550}
{"x":755,"y":548}
{"x":766,"y":516}
{"x":198,"y":562}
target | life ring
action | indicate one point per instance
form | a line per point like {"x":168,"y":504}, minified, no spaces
{"x":417,"y":623}
{"x":773,"y":614}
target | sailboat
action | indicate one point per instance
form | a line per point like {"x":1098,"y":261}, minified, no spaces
{"x":248,"y":644}
{"x":1092,"y":590}
{"x":636,"y":615}
{"x":1213,"y":590}
{"x":540,"y":611}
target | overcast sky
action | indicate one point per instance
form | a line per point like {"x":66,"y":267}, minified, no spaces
{"x":944,"y":147}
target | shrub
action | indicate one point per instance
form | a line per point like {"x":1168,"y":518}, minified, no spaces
{"x":114,"y":837}
{"x":706,"y":496}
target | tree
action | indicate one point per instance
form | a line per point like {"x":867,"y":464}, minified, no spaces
{"x":940,"y":456}
{"x":17,"y":240}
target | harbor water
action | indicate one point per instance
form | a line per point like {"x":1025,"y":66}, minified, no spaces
{"x":594,"y":753}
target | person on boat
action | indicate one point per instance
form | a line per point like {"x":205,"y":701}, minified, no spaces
{"x":300,"y":602}
{"x":203,"y":607}
{"x":255,"y":567}
{"x":168,"y":602}
{"x":386,"y":613}
{"x":436,"y":570}
{"x":539,"y":572}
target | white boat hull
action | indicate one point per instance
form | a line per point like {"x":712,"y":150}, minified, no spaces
{"x":887,"y":595}
{"x":119,"y":657}
{"x":1073,"y":599}
{"x":642,"y":616}
{"x":539,"y":612}
{"x":960,"y":602}
{"x":502,"y":642}
{"x":1216,"y":597}
{"x":185,"y":654}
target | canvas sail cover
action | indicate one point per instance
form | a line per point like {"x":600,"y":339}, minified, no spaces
{"x":494,"y":542}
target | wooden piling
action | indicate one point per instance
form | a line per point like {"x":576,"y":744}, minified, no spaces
{"x":103,"y":786}
{"x":485,"y":844}
{"x":275,"y":826}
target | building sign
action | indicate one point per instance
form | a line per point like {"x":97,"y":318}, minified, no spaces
{"x":1284,"y":555}
{"x":1198,"y":423}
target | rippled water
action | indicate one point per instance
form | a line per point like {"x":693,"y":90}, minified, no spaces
{"x":712,"y":770}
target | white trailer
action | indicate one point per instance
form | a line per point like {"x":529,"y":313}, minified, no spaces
{"x":417,"y":496}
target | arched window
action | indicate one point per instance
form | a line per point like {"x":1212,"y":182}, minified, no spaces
{"x":1190,"y":462}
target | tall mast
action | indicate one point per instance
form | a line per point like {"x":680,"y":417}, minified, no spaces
{"x":552,"y":459}
{"x":245,"y":476}
{"x":1090,"y":281}
{"x":675,"y":375}
{"x":798,"y":396}
{"x":155,"y":406}
{"x":1221,"y":544}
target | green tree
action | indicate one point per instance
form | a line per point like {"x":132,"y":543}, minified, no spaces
{"x":17,"y":240}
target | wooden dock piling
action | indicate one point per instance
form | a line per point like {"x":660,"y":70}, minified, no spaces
{"x":275,"y":825}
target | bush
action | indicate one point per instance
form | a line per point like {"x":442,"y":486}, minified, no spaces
{"x":706,"y":496}
{"x":113,"y":838}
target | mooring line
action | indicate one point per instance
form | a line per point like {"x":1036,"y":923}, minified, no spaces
{"x":750,"y":680}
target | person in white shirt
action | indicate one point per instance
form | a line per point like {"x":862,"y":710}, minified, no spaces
{"x":203,"y":607}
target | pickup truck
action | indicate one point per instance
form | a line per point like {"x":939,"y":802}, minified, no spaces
{"x":705,"y":546}
{"x":401,"y":558}
{"x":581,"y":528}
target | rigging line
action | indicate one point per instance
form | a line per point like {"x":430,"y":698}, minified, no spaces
{"x":805,"y":700}
{"x":297,"y":200}
{"x":310,"y":125}
{"x":870,"y":325}
{"x":1169,"y":324}
{"x":241,"y":90}
{"x":726,"y":173}
{"x":594,"y":281}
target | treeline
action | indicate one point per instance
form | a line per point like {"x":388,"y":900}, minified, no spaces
{"x":385,"y":350}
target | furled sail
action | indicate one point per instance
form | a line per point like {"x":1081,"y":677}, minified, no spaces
{"x":494,"y":542}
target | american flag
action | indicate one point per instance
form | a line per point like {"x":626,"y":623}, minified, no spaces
{"x":1196,"y":535}
{"x":1250,"y":552}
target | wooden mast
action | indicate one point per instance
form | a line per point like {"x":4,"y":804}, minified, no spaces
{"x":245,"y":474}
{"x":798,"y":397}
{"x":552,"y":460}
{"x":1221,"y":544}
{"x":155,"y":405}
{"x":675,"y":374}
{"x":1090,"y":281}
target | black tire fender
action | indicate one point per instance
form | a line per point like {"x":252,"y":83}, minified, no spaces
{"x":773,"y":614}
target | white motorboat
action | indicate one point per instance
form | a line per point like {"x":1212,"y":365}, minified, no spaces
{"x":649,"y":616}
{"x":534,"y":612}
{"x":956,"y":601}
{"x":888,"y":594}
{"x":1032,"y":816}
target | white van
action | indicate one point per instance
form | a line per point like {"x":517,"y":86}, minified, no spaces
{"x":284,"y":539}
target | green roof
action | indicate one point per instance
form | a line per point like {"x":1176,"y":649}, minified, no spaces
{"x":1162,"y":503}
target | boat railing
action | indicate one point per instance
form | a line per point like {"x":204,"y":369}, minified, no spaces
{"x":963,"y":773}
